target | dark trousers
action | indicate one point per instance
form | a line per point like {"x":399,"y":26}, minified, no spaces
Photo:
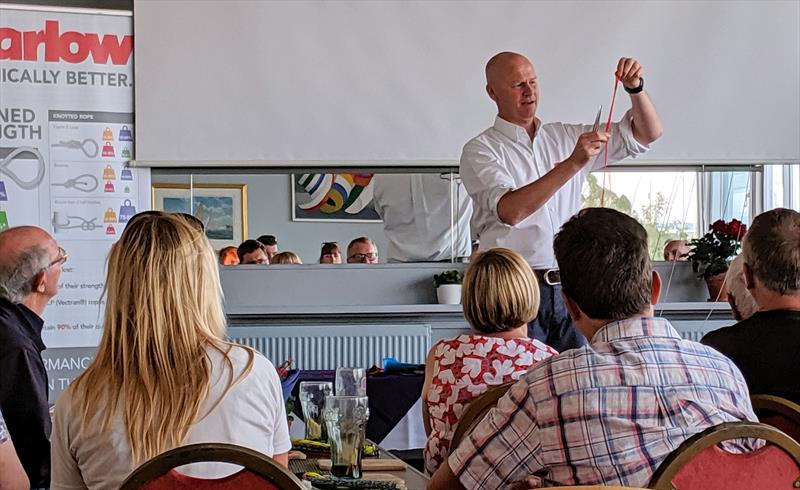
{"x":552,"y":325}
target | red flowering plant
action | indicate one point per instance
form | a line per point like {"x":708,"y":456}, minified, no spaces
{"x":714,"y":251}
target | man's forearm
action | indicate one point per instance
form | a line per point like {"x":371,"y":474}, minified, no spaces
{"x":646,"y":123}
{"x":520,"y":203}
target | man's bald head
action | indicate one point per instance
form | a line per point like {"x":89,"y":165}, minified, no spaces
{"x":26,"y":252}
{"x":512,"y":84}
{"x":500,"y":63}
{"x":15,"y":240}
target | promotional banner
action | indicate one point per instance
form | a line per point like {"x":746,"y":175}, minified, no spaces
{"x":66,"y":135}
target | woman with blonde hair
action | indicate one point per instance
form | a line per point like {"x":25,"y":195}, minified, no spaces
{"x":286,"y":257}
{"x":500,"y":296}
{"x":164,"y":376}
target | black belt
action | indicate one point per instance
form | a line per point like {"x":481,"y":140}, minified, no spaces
{"x":550,"y":277}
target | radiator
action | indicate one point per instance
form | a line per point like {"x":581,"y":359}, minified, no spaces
{"x":332,"y":346}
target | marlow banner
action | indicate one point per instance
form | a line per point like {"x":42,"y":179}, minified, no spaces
{"x":66,"y":136}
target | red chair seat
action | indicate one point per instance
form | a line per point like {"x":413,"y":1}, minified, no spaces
{"x":717,"y":469}
{"x":243,"y":479}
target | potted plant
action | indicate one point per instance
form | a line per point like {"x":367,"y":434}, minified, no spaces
{"x":448,"y":287}
{"x":713,"y":253}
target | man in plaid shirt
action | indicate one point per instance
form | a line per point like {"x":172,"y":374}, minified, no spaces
{"x":609,"y":412}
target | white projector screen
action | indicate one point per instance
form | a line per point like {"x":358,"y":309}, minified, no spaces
{"x":401,"y":82}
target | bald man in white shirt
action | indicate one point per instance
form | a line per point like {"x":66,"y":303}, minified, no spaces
{"x":525,"y":177}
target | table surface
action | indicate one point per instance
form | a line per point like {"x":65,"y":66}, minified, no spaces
{"x":414,"y":479}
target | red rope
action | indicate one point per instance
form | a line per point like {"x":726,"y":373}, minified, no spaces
{"x":608,"y":126}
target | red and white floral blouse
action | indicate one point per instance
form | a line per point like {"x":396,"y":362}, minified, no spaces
{"x":463,"y":369}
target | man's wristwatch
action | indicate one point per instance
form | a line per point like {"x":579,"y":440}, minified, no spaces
{"x":635,"y":90}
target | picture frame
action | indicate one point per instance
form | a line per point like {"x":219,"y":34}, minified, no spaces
{"x":221,"y":207}
{"x":333,"y":198}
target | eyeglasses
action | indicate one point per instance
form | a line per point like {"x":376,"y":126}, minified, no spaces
{"x":62,"y":257}
{"x":363,"y":257}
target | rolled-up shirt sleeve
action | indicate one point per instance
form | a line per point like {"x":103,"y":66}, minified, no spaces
{"x":622,"y":143}
{"x":484,"y":177}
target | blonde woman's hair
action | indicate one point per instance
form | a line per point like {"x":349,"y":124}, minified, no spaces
{"x":163,"y":312}
{"x":285,"y":258}
{"x":500,"y":292}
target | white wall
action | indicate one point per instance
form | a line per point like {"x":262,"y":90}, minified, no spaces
{"x":287,"y":82}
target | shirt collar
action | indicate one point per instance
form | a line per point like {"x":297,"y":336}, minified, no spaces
{"x":641,"y":326}
{"x":34,"y":323}
{"x":513,"y":131}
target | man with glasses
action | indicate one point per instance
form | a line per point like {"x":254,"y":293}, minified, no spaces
{"x":30,"y":269}
{"x":362,"y":250}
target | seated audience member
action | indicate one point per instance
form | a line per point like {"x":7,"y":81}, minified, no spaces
{"x":610,"y":412}
{"x":362,"y":250}
{"x":12,"y":474}
{"x":742,"y":303}
{"x":330,"y":254}
{"x":500,"y":296}
{"x":270,"y":245}
{"x":766,"y":345}
{"x":164,"y":376}
{"x":228,"y":256}
{"x":676,"y":250}
{"x":286,"y":257}
{"x":252,"y":252}
{"x":30,"y":274}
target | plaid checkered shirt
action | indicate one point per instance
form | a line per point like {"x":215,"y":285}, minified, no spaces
{"x":606,"y":413}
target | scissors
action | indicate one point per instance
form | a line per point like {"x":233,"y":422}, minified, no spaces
{"x":25,"y":184}
{"x":596,"y":126}
{"x":90,"y":151}
{"x":84,"y":183}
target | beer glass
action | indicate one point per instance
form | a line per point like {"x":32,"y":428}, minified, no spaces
{"x":346,"y":418}
{"x":312,"y":401}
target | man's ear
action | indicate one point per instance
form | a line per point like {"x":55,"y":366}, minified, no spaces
{"x":39,"y":283}
{"x":655,"y":292}
{"x":490,"y":91}
{"x":572,"y":308}
{"x":749,"y":281}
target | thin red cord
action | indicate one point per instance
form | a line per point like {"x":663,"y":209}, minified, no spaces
{"x":608,"y":126}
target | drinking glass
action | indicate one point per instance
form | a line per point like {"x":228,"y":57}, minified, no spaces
{"x":346,"y":418}
{"x":312,"y":401}
{"x":351,"y":382}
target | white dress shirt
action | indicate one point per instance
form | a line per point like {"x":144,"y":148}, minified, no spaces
{"x":251,"y":414}
{"x":503,"y":158}
{"x":416,"y":213}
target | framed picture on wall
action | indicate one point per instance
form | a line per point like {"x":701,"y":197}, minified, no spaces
{"x":335,"y":197}
{"x":221,"y":207}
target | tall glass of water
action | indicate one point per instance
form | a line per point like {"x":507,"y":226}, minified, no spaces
{"x":346,"y":418}
{"x":312,"y":400}
{"x":351,"y":382}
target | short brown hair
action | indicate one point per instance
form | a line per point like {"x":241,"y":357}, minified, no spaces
{"x":500,"y":292}
{"x":361,"y":239}
{"x":772,"y":250}
{"x":604,"y":263}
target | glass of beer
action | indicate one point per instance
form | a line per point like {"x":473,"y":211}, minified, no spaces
{"x":351,"y":382}
{"x":346,"y":418}
{"x":312,"y":401}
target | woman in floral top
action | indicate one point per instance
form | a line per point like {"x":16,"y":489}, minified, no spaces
{"x":500,"y":296}
{"x":12,"y":475}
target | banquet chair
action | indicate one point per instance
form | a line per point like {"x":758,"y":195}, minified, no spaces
{"x":475,"y":411}
{"x":700,"y":463}
{"x":778,"y":412}
{"x":258,"y":472}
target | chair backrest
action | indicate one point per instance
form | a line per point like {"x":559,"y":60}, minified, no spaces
{"x":259,"y":472}
{"x":779,"y":413}
{"x":700,"y":463}
{"x":476,"y":410}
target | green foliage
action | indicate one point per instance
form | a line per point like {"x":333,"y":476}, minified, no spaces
{"x":447,"y":277}
{"x":714,"y":251}
{"x":651,"y":216}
